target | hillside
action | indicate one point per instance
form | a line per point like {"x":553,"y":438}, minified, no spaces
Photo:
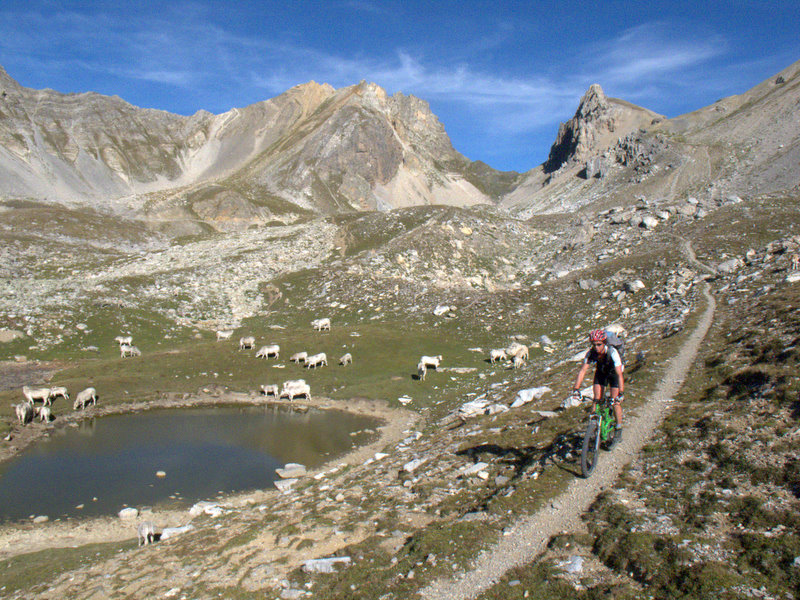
{"x":673,"y":228}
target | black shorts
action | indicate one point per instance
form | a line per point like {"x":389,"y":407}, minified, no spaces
{"x":606,"y":378}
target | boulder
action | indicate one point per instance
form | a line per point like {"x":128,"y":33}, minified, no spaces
{"x":9,"y":335}
{"x":634,"y":286}
{"x":291,"y":471}
{"x":128,"y":513}
{"x":649,"y":222}
{"x":729,"y":266}
{"x":169,"y":532}
{"x":285,"y":485}
{"x":530,"y":394}
{"x":325,"y":565}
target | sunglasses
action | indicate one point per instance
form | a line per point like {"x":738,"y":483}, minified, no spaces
{"x":598,"y":344}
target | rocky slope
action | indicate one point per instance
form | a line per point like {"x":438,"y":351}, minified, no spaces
{"x":612,"y":153}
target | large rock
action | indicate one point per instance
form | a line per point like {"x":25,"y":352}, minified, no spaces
{"x":129,"y":513}
{"x":9,"y":335}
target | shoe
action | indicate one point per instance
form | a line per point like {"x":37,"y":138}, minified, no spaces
{"x":616,"y":439}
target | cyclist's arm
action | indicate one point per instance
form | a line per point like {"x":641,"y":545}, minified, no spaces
{"x":621,"y":379}
{"x":581,"y":375}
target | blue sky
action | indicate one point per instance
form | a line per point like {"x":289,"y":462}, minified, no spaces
{"x":500,"y":76}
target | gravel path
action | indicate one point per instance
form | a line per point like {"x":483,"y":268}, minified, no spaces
{"x":529,"y":536}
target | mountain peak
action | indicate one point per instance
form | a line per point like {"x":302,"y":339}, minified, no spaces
{"x":598,"y":122}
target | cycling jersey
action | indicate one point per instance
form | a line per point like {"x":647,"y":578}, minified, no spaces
{"x":606,"y":372}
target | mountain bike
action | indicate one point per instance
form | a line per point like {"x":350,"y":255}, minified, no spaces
{"x":599,"y":430}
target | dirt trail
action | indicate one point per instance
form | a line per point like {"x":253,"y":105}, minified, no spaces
{"x":529,"y":536}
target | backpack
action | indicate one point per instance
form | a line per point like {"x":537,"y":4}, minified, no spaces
{"x":613,"y":340}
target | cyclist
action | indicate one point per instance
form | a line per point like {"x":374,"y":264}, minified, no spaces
{"x":608,"y":372}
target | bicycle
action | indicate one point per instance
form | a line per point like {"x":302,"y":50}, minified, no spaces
{"x":599,"y":430}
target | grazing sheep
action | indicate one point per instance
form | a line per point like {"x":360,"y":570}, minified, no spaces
{"x":246,"y":343}
{"x":422,"y":370}
{"x":33,"y":394}
{"x":323,"y":324}
{"x":146,"y":533}
{"x":24,"y":412}
{"x":299,"y":357}
{"x":89,"y":395}
{"x":518,"y":361}
{"x":270,"y":390}
{"x":126,"y":350}
{"x":521,"y":351}
{"x":267,"y":351}
{"x":57,"y":391}
{"x":495,"y":355}
{"x":296,"y":388}
{"x":317,"y":360}
{"x":291,"y":382}
{"x":224,"y":335}
{"x":431,"y":362}
{"x":44,"y":413}
{"x":347,"y":359}
{"x":128,"y":340}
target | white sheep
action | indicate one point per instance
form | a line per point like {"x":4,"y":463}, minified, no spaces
{"x":24,"y":412}
{"x":499,"y":354}
{"x":290,"y":382}
{"x":431,"y":362}
{"x":317,"y":360}
{"x":517,"y":362}
{"x":246,"y":343}
{"x":128,"y":340}
{"x":422,"y":370}
{"x":270,"y":389}
{"x":126,"y":350}
{"x":521,"y":351}
{"x":296,"y":389}
{"x":299,"y":357}
{"x":146,"y":533}
{"x":267,"y":351}
{"x":44,"y":413}
{"x":89,"y":395}
{"x":33,"y":394}
{"x":224,"y":335}
{"x":323,"y":324}
{"x":57,"y":391}
{"x":347,"y":359}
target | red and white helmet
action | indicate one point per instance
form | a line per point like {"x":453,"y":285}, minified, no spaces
{"x":597,"y":335}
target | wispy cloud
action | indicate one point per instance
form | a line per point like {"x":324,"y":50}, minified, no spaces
{"x":653,"y":52}
{"x":220,"y":68}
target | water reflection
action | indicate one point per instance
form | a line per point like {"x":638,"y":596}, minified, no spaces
{"x":203,"y":451}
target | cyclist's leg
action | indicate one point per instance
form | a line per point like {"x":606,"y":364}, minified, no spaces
{"x":597,"y":393}
{"x":617,"y":404}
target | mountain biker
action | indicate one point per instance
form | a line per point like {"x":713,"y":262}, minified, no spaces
{"x":608,"y":372}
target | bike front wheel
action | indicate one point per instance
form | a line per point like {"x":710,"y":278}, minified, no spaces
{"x":591,"y":448}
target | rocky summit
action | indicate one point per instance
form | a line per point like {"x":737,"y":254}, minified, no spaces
{"x":456,"y":300}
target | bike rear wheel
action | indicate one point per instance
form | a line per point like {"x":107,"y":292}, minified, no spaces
{"x":591,"y":448}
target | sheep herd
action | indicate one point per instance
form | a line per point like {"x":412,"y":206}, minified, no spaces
{"x":516,"y":355}
{"x":294,"y":387}
{"x":28,"y":411}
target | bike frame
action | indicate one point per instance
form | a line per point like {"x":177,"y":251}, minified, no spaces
{"x":604,"y":416}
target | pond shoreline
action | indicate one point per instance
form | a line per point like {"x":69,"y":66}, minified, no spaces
{"x":23,"y":537}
